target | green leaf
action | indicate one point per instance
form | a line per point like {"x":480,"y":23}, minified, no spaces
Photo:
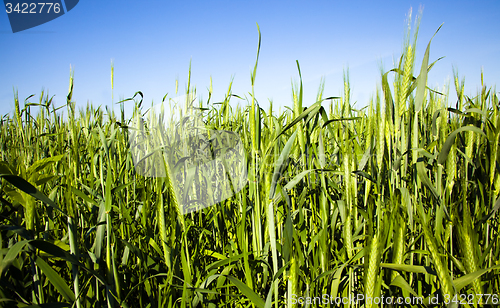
{"x":422,"y":77}
{"x":214,"y":254}
{"x":254,"y":297}
{"x":21,"y":231}
{"x":279,"y":164}
{"x":49,"y":305}
{"x":25,"y":186}
{"x":5,"y":168}
{"x":269,"y":299}
{"x":254,"y":73}
{"x":469,"y":278}
{"x":58,"y":252}
{"x":321,"y":151}
{"x":365,"y":175}
{"x":443,"y":155}
{"x":44,"y":179}
{"x":220,"y":263}
{"x":314,"y":108}
{"x":386,"y":89}
{"x":54,"y":250}
{"x":119,"y":188}
{"x":400,"y":282}
{"x":407,"y":268}
{"x":103,"y":141}
{"x":427,"y":182}
{"x":337,"y":278}
{"x":55,"y":280}
{"x":82,"y":195}
{"x":15,"y":196}
{"x":43,"y":163}
{"x":495,"y":209}
{"x":11,"y":256}
{"x":291,"y":184}
{"x":341,"y":119}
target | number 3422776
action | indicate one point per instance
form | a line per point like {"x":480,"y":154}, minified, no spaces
{"x":33,"y":8}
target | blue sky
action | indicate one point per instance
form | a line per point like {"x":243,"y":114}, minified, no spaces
{"x":152,"y":42}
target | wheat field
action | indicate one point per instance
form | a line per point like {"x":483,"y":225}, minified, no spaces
{"x":397,"y":199}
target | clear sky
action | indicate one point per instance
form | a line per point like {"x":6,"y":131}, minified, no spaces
{"x":152,"y":42}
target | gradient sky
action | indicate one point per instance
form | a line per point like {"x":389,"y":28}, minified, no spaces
{"x":152,"y":42}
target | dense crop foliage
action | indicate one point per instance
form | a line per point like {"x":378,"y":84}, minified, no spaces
{"x":400,"y":198}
